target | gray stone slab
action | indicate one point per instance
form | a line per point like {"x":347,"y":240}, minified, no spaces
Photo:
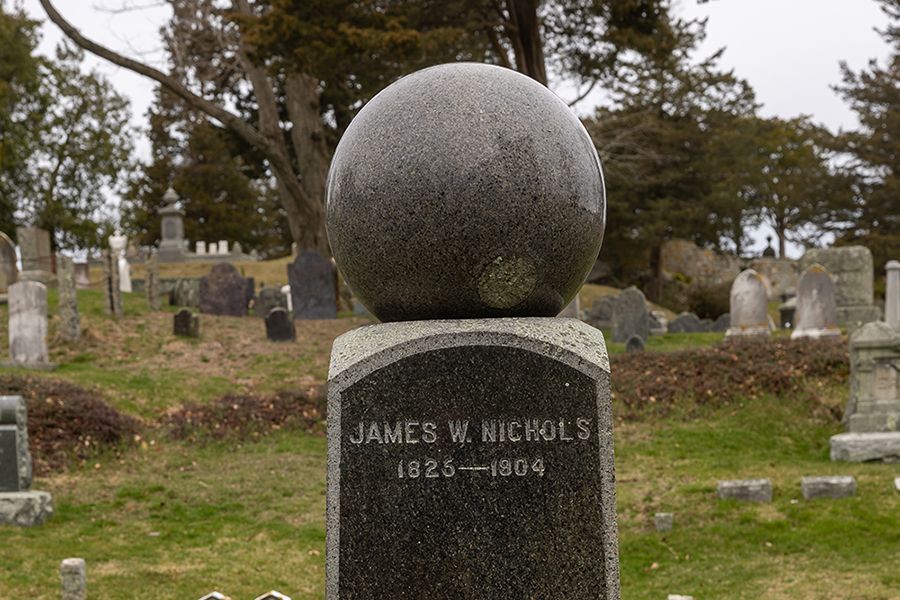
{"x":186,"y":324}
{"x":471,"y":459}
{"x":9,"y":271}
{"x":663,"y":521}
{"x":25,"y":509}
{"x":223,"y":292}
{"x":73,"y":577}
{"x":69,"y":329}
{"x":280,"y":326}
{"x":28,"y":325}
{"x":112,"y":293}
{"x":34,"y":245}
{"x":186,"y":292}
{"x":15,"y":458}
{"x":634,"y":344}
{"x":630,"y":316}
{"x":313,"y":281}
{"x":892,"y":294}
{"x":828,"y":487}
{"x":679,"y":597}
{"x":815,"y":315}
{"x":866,"y":447}
{"x":852,"y":269}
{"x":749,"y":306}
{"x":269,"y":298}
{"x":153,"y":284}
{"x":686,"y":322}
{"x":749,"y":490}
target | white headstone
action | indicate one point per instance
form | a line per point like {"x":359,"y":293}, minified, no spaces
{"x":892,"y":295}
{"x":749,"y":305}
{"x":286,"y":290}
{"x":816,"y":313}
{"x":201,"y":248}
{"x":223,"y":246}
{"x":213,"y":248}
{"x":118,"y":243}
{"x":28,"y":324}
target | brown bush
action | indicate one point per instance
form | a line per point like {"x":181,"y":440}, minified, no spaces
{"x":66,"y":421}
{"x":726,"y":373}
{"x":244,"y":416}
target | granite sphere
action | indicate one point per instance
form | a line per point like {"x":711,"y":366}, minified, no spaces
{"x":464,"y":191}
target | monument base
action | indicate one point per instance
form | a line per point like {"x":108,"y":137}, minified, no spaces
{"x":866,"y":447}
{"x":815,"y":334}
{"x":747,"y":331}
{"x":874,"y":422}
{"x":25,"y":509}
{"x":854,"y":317}
{"x":36,"y":366}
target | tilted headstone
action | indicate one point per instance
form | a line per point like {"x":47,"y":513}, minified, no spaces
{"x":872,"y":415}
{"x":28,"y":325}
{"x":892,"y":294}
{"x":37,"y":258}
{"x":152,"y":267}
{"x":19,"y":504}
{"x":73,"y":576}
{"x":186,"y":324}
{"x":816,"y":313}
{"x":749,"y":306}
{"x":69,"y":321}
{"x":223,"y":292}
{"x":269,"y":298}
{"x":630,"y":316}
{"x":9,"y":272}
{"x":313,"y":286}
{"x":853,"y":271}
{"x":280,"y":325}
{"x":112,"y":294}
{"x":470,"y":433}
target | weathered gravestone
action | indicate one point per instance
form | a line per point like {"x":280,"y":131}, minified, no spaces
{"x":468,"y":458}
{"x":816,"y":314}
{"x":280,"y":325}
{"x":9,"y":272}
{"x":600,"y":314}
{"x":686,"y":322}
{"x":19,"y":505}
{"x":117,"y":245}
{"x":186,"y":324}
{"x":634,"y":344}
{"x":749,"y":305}
{"x":630,"y":316}
{"x":722,"y":323}
{"x":828,"y":487}
{"x":892,"y":294}
{"x":112,"y":295}
{"x":28,"y":325}
{"x":73,"y":577}
{"x":269,"y":298}
{"x":747,"y":490}
{"x":223,"y":292}
{"x":82,"y":275}
{"x":37,"y":258}
{"x":872,"y":415}
{"x":152,"y":269}
{"x":663,"y":521}
{"x":185,"y":292}
{"x":854,"y":274}
{"x":313,"y":284}
{"x":69,"y":322}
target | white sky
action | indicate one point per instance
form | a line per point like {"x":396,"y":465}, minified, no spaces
{"x":788,"y":50}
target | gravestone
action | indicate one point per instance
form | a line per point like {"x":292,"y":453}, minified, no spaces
{"x":112,"y":294}
{"x":37,"y":258}
{"x":152,"y":267}
{"x":816,"y":313}
{"x":749,"y":306}
{"x":312,"y":278}
{"x":634,"y":344}
{"x":892,"y":294}
{"x":722,"y":323}
{"x":171,"y":246}
{"x":200,"y":249}
{"x":82,"y":275}
{"x":659,"y":323}
{"x":854,"y":274}
{"x":872,"y":415}
{"x":469,"y":436}
{"x":280,"y":326}
{"x":223,"y":247}
{"x":600,"y":314}
{"x":73,"y":576}
{"x":269,"y":298}
{"x":273,"y":595}
{"x":746,"y":490}
{"x":787,"y":311}
{"x":186,"y":292}
{"x":117,"y":245}
{"x":9,"y":272}
{"x":828,"y":487}
{"x":630,"y":316}
{"x":186,"y":324}
{"x":28,"y":325}
{"x":686,"y":322}
{"x":663,"y":521}
{"x":69,"y":322}
{"x":19,"y":505}
{"x":223,"y":292}
{"x":212,"y":248}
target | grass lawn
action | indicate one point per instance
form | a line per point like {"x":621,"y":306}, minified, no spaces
{"x":171,"y":519}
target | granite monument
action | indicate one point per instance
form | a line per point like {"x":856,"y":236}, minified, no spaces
{"x":19,"y":505}
{"x":223,"y":292}
{"x":749,"y":305}
{"x":816,"y":313}
{"x":28,"y":325}
{"x":313,"y":282}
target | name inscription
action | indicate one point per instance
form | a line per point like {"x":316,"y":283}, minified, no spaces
{"x":462,"y":431}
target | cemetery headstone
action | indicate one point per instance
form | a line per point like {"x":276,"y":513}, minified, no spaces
{"x":19,"y":504}
{"x":9,"y":272}
{"x":747,"y":490}
{"x":897,"y":483}
{"x":722,"y":323}
{"x":663,"y":521}
{"x":854,"y":274}
{"x":223,"y":292}
{"x":686,"y":322}
{"x":82,"y":275}
{"x":600,"y":314}
{"x":172,"y":244}
{"x":28,"y":325}
{"x":237,"y":249}
{"x":659,"y":323}
{"x":280,"y":325}
{"x":313,"y":292}
{"x":73,"y":575}
{"x":112,"y":294}
{"x":892,"y":294}
{"x":269,"y":298}
{"x":186,"y":323}
{"x":816,"y":314}
{"x":470,"y":442}
{"x":786,"y":312}
{"x":286,"y":290}
{"x":630,"y":316}
{"x":186,"y":292}
{"x":37,"y":259}
{"x":200,"y":249}
{"x":117,"y":245}
{"x":69,"y":322}
{"x":634,"y":344}
{"x":273,"y":595}
{"x":872,"y":415}
{"x":212,"y":248}
{"x":223,"y":247}
{"x":749,"y":306}
{"x":152,"y":267}
{"x":828,"y":487}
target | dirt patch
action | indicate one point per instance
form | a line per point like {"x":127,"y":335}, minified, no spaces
{"x":725,"y":373}
{"x":248,"y":416}
{"x":67,"y":422}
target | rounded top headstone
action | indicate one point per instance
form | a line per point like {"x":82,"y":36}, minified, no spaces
{"x":464,"y":191}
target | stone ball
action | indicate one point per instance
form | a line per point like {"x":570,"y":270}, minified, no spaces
{"x":465,"y":191}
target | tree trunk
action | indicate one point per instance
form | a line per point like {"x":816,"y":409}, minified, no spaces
{"x":525,"y":34}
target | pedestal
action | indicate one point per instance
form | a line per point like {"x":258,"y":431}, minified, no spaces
{"x":25,"y":509}
{"x":471,"y":459}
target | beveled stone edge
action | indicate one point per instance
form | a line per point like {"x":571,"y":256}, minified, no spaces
{"x":411,"y":337}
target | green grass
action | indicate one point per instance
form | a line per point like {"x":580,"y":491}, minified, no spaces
{"x":668,"y":342}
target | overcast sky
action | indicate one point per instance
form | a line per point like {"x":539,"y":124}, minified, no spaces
{"x":789,"y":50}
